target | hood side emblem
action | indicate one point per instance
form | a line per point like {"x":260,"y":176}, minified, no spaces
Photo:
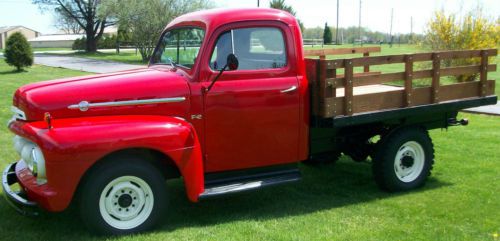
{"x":83,"y":106}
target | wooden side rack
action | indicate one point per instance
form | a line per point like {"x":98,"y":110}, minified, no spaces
{"x":335,"y":95}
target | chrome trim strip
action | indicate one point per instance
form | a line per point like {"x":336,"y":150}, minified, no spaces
{"x":84,"y":105}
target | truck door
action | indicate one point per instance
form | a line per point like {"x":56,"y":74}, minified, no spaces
{"x":252,"y":114}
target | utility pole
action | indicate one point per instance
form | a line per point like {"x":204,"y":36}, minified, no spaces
{"x":258,"y":3}
{"x":390,"y":31}
{"x":411,"y":30}
{"x":337,"y":31}
{"x":359,"y":27}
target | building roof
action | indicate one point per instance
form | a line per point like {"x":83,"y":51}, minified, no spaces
{"x":4,"y":29}
{"x":57,"y":37}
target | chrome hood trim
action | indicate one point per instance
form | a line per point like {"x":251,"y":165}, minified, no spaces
{"x":85,"y":105}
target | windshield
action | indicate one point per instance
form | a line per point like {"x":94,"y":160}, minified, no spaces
{"x":179,"y":47}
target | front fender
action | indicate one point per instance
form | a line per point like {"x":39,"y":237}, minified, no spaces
{"x":73,"y":145}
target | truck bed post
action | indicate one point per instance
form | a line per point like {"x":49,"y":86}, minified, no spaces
{"x":348,"y":88}
{"x":408,"y":79}
{"x":436,"y":65}
{"x":483,"y":73}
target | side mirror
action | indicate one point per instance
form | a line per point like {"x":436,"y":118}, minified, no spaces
{"x":232,"y":62}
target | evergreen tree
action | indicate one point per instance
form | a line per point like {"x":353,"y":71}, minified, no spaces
{"x":327,"y":35}
{"x":18,"y":51}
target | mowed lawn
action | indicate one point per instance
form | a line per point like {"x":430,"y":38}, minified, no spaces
{"x":461,"y":200}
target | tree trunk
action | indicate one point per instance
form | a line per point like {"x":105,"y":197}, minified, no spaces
{"x":91,"y":44}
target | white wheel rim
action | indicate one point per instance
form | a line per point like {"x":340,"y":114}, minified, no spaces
{"x":409,"y":161}
{"x":126,"y":202}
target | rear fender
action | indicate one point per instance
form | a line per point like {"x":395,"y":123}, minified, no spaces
{"x":72,"y":146}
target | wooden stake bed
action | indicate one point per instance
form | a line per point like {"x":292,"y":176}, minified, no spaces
{"x":338,"y":96}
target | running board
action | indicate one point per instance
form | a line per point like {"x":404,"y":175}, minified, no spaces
{"x":244,"y":183}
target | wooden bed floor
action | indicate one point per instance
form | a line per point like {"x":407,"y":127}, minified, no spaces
{"x":369,"y":89}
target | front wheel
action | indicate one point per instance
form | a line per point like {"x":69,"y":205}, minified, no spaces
{"x":403,"y":160}
{"x":123,"y":196}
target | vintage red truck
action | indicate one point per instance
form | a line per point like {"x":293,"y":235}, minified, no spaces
{"x":229,"y":102}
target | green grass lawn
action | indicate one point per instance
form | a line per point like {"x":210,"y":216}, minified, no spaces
{"x":336,"y":202}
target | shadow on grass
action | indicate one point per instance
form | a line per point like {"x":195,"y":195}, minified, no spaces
{"x":13,"y":71}
{"x":325,"y":188}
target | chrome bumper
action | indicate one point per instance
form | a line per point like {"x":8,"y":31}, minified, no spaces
{"x":17,"y":200}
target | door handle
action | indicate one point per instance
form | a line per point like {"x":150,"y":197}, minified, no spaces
{"x":289,"y":89}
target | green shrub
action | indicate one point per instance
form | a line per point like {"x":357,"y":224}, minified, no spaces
{"x":453,"y":32}
{"x":79,"y":44}
{"x":18,"y":51}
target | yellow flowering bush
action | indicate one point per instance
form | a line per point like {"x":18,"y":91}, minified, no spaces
{"x":452,"y":32}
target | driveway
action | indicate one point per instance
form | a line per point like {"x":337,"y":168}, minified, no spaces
{"x":83,"y":64}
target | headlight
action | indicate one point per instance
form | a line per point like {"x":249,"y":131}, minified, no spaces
{"x":38,"y":162}
{"x":26,"y":154}
{"x":19,"y":143}
{"x":32,"y":156}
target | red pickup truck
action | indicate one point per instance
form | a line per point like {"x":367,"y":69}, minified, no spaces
{"x":228,"y":103}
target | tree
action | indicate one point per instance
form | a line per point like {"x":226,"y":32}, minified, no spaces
{"x":145,"y":20}
{"x":18,"y":51}
{"x":64,"y":22}
{"x":327,"y":35}
{"x":85,"y":14}
{"x":280,"y":4}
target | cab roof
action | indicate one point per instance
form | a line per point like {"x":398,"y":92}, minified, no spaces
{"x":214,"y":18}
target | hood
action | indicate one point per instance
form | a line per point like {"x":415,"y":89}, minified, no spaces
{"x":56,"y":96}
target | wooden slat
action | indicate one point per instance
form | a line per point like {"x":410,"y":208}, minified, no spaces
{"x":335,"y":64}
{"x":379,"y":101}
{"x":369,"y":79}
{"x":339,"y":80}
{"x":436,"y":65}
{"x":378,"y":60}
{"x":348,"y":95}
{"x":408,"y":79}
{"x":339,"y":51}
{"x":372,"y":78}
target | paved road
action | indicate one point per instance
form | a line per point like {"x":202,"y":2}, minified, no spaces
{"x":488,"y":109}
{"x":83,"y":64}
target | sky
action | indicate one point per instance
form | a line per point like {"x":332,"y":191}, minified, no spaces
{"x":375,"y":14}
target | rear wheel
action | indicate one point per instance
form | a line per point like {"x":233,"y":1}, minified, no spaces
{"x":123,"y":196}
{"x":403,"y":160}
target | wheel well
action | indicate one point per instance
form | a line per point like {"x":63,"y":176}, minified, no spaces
{"x":158,"y":159}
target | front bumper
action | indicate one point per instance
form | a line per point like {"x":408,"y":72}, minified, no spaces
{"x":18,"y":200}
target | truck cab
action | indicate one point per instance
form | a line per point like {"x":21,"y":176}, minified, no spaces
{"x":229,"y":103}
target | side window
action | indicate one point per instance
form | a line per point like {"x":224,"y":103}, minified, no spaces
{"x":256,"y":48}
